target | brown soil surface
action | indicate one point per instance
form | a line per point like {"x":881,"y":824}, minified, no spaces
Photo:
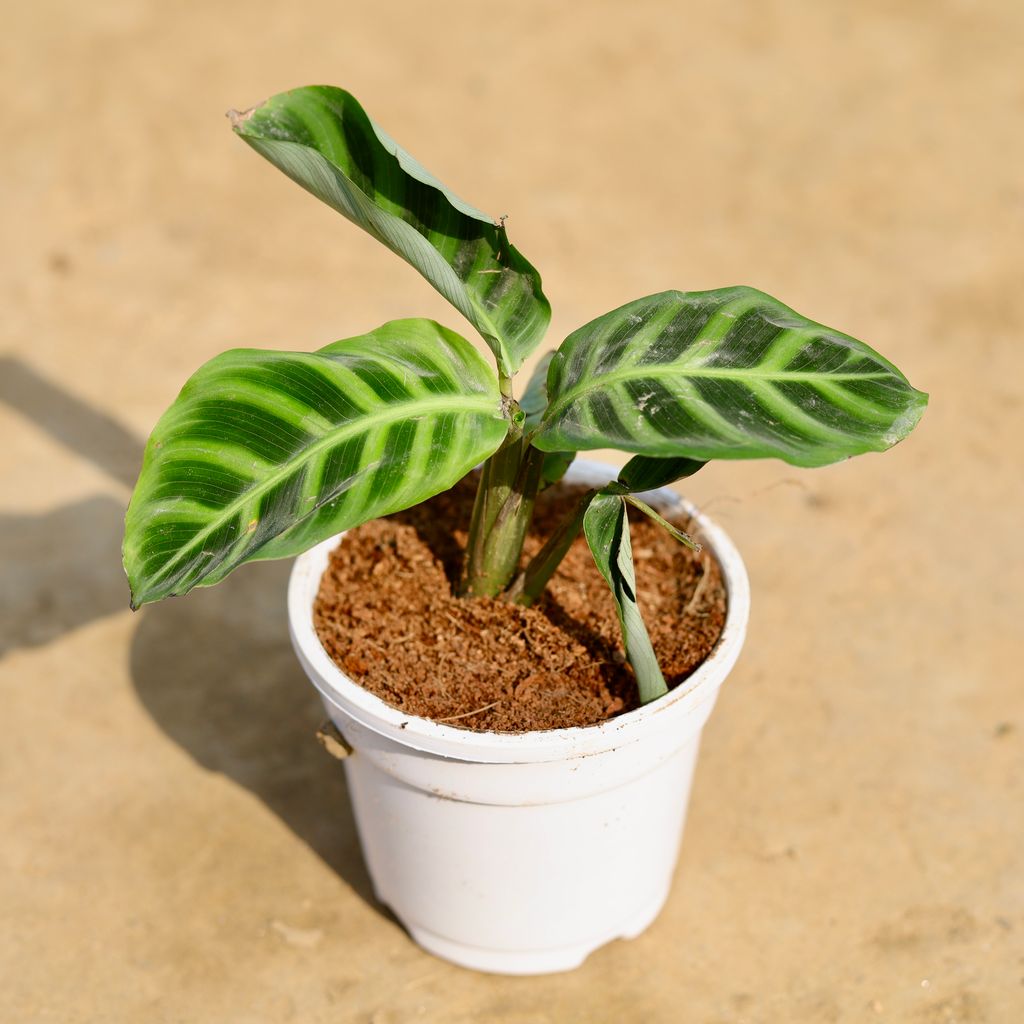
{"x":388,"y":616}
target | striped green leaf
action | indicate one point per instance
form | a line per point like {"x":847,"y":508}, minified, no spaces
{"x":264,"y":454}
{"x":724,"y":374}
{"x":322,"y":138}
{"x":645,"y":474}
{"x":606,"y":527}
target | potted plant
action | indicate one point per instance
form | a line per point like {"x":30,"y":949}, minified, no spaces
{"x":508,"y":851}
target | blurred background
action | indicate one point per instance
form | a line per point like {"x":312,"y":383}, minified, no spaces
{"x":173,"y":845}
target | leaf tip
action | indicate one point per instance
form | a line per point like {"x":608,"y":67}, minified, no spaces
{"x":138,"y":592}
{"x":901,"y":427}
{"x":136,"y":598}
{"x":135,"y":601}
{"x":238,"y":118}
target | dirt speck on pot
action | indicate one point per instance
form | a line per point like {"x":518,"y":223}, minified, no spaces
{"x":387,"y":614}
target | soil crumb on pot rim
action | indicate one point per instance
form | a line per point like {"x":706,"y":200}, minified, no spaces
{"x":387,"y":614}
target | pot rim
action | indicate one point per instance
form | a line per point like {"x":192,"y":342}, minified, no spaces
{"x":346,"y":695}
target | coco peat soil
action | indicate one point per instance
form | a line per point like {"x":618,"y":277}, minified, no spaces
{"x":387,"y":613}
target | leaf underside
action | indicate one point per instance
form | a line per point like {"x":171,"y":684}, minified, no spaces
{"x":727,"y":374}
{"x":264,"y":454}
{"x":323,"y":139}
{"x":606,"y":526}
{"x":643,"y":473}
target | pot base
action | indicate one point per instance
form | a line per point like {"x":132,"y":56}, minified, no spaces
{"x":533,"y":961}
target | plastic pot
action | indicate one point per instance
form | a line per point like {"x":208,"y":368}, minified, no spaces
{"x":522,"y":853}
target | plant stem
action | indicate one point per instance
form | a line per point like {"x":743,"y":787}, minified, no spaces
{"x":683,"y":538}
{"x":502,"y":514}
{"x":530,"y":583}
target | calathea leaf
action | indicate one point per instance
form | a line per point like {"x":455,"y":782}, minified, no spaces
{"x":322,"y":138}
{"x":533,"y":403}
{"x":642,"y":473}
{"x":265,"y":453}
{"x":726,"y":374}
{"x":645,"y":474}
{"x":606,"y":527}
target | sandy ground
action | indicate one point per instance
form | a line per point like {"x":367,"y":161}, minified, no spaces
{"x":173,"y":845}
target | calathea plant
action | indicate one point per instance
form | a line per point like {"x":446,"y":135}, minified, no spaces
{"x":264,"y":454}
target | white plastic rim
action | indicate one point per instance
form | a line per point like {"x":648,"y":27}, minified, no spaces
{"x":358,"y":704}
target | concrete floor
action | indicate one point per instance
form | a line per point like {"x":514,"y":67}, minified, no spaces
{"x":173,"y":844}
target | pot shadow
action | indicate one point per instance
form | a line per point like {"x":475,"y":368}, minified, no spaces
{"x":217,"y":673}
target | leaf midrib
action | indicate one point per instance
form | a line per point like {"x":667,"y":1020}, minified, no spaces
{"x":486,"y":325}
{"x":365,"y":424}
{"x":670,"y":370}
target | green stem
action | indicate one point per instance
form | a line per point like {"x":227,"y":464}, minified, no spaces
{"x":683,"y":538}
{"x":502,"y":514}
{"x":530,"y":583}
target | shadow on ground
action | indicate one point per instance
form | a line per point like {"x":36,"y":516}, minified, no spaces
{"x":216,"y":671}
{"x":59,"y":570}
{"x":88,"y":432}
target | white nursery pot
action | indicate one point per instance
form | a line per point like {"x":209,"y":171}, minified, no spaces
{"x":522,"y":853}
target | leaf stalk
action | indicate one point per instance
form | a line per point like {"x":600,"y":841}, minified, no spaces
{"x":502,"y":513}
{"x":530,"y":583}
